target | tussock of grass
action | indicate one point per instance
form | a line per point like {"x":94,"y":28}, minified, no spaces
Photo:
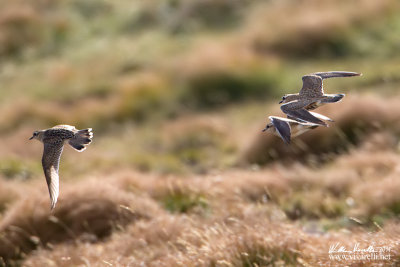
{"x":141,"y":97}
{"x":186,"y":145}
{"x":379,"y":197}
{"x":178,"y":201}
{"x":18,"y":26}
{"x":85,"y":215}
{"x":187,"y":16}
{"x":198,"y":143}
{"x":25,"y":28}
{"x":234,"y":244}
{"x":214,"y":88}
{"x":322,"y":29}
{"x":317,"y":204}
{"x":8,"y":195}
{"x":13,"y":168}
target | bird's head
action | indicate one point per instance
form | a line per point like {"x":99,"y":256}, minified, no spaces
{"x":269,"y":125}
{"x":37,"y":135}
{"x":289,"y":97}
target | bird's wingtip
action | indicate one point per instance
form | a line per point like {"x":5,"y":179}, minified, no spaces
{"x":53,"y":205}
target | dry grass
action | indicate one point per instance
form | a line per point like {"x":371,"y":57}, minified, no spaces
{"x":85,"y":216}
{"x":232,"y":218}
{"x":178,"y":173}
{"x":218,"y":244}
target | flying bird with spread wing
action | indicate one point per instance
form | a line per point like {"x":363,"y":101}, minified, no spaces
{"x":53,"y":140}
{"x":297,"y":106}
{"x":312,"y":96}
{"x":288,"y":128}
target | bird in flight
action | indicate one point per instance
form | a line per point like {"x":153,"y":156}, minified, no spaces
{"x":312,"y":96}
{"x":288,"y":128}
{"x":54,"y":140}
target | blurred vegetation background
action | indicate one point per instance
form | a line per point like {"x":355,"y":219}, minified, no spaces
{"x":135,"y":71}
{"x":184,"y":87}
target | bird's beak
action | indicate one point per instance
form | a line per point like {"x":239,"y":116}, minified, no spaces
{"x":31,"y":137}
{"x":280,"y":102}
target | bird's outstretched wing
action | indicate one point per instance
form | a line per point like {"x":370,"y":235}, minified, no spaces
{"x":301,"y":114}
{"x":321,"y":117}
{"x":312,"y":83}
{"x":312,"y":86}
{"x":283,"y":128}
{"x":333,"y":74}
{"x":50,"y":162}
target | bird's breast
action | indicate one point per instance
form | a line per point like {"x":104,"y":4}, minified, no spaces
{"x":299,"y":129}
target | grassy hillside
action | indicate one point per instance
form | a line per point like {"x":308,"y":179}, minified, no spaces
{"x":179,"y":173}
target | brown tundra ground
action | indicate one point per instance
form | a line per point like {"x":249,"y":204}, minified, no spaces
{"x":179,"y":172}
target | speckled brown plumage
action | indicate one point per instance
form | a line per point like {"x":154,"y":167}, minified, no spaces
{"x":53,"y":140}
{"x":312,"y":96}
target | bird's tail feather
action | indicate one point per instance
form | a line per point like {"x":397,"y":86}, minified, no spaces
{"x":337,"y":98}
{"x":81,"y":139}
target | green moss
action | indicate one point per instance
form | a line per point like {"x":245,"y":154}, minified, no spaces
{"x":13,"y":168}
{"x":390,"y":211}
{"x":300,"y":205}
{"x":200,"y":148}
{"x":183,"y":202}
{"x":259,"y":255}
{"x":187,"y":17}
{"x":394,"y":207}
{"x":157,"y":162}
{"x":143,"y":102}
{"x":216,"y":88}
